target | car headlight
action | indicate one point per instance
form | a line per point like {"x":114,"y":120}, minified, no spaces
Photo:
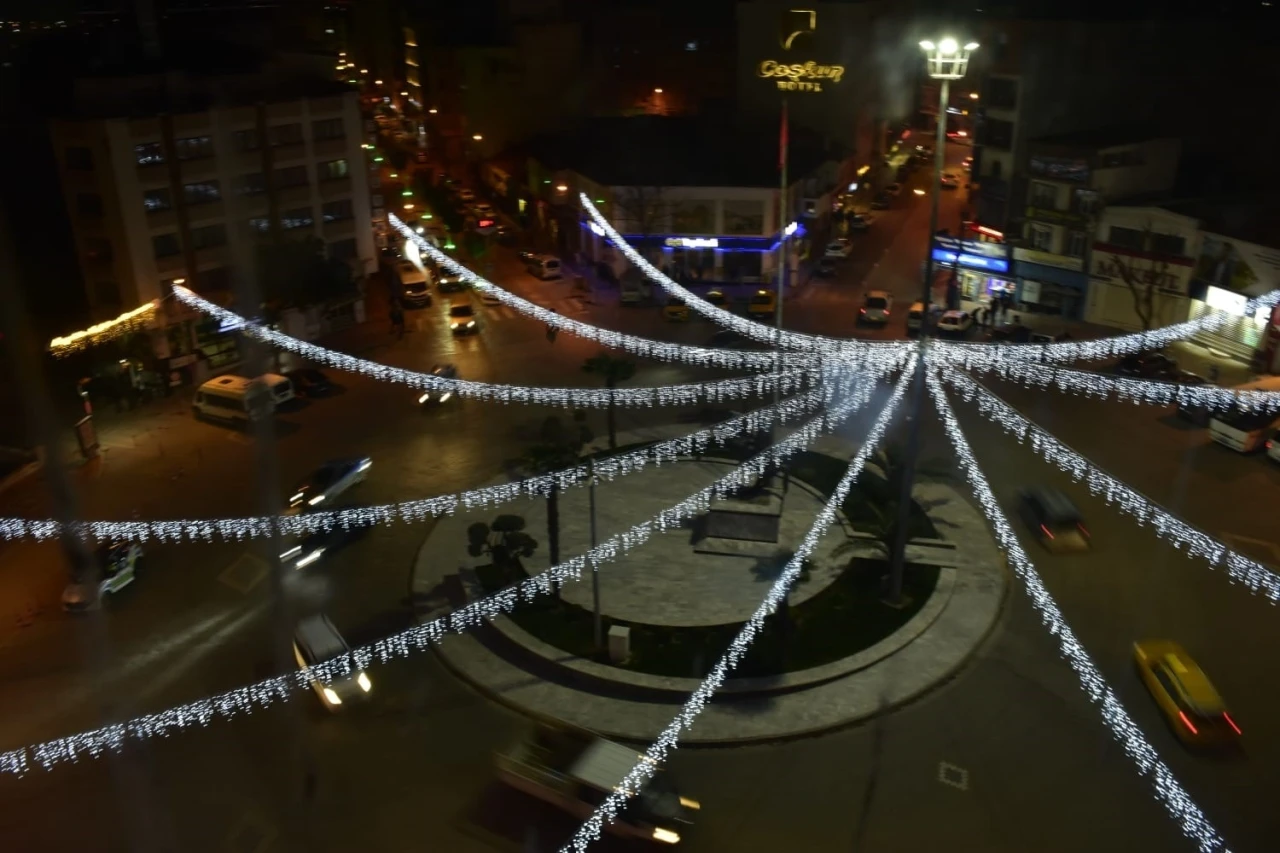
{"x":666,"y":836}
{"x":445,"y":396}
{"x":365,"y":464}
{"x":317,"y":499}
{"x":690,"y":804}
{"x":331,"y":696}
{"x":291,"y":553}
{"x":471,"y":325}
{"x":299,"y":496}
{"x":365,"y":684}
{"x":425,"y":397}
{"x":453,"y":326}
{"x":310,"y":558}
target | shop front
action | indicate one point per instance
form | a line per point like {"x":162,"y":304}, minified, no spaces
{"x":980,"y":269}
{"x":1049,"y":283}
{"x":704,"y":260}
{"x":1226,"y":276}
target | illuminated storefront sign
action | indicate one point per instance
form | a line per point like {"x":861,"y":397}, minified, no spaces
{"x":999,"y":251}
{"x":692,"y":243}
{"x":800,"y":77}
{"x":965,"y":259}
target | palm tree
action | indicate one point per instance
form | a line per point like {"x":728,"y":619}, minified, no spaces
{"x":559,"y":446}
{"x":612,"y":370}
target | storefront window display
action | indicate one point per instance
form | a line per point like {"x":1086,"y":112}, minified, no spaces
{"x":978,"y":287}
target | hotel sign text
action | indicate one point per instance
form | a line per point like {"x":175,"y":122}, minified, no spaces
{"x":800,"y":77}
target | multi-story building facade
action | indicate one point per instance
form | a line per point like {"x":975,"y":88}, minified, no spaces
{"x":176,"y":179}
{"x":1140,"y":267}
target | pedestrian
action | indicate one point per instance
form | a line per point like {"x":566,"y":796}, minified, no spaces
{"x":994,"y":311}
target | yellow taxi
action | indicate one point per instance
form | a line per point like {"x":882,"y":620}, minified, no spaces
{"x":675,"y":310}
{"x":762,"y":304}
{"x":1183,"y":692}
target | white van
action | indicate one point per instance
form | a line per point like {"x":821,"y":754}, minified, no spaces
{"x":281,"y":387}
{"x":545,"y":267}
{"x":233,"y":399}
{"x":1246,"y":431}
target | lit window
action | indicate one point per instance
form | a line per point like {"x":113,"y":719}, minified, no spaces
{"x":332,"y":170}
{"x":156,"y":200}
{"x":193,"y":148}
{"x":202,"y":193}
{"x":149,"y":153}
{"x":298,"y":218}
{"x":329,"y":128}
{"x":334,"y":211}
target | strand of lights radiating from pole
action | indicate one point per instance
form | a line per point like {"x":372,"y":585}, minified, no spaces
{"x":1256,"y":577}
{"x":250,"y":527}
{"x":667,"y":741}
{"x":749,"y":328}
{"x":100,"y":333}
{"x":786,"y":382}
{"x":973,"y":354}
{"x":1191,"y":820}
{"x":243,"y":700}
{"x":1139,"y":391}
{"x":662,"y":350}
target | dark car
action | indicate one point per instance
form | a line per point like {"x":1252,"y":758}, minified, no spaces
{"x":309,"y":382}
{"x":505,"y":236}
{"x":1010,"y":333}
{"x":1053,"y":519}
{"x":310,"y":547}
{"x":434,"y":397}
{"x":1148,"y":365}
{"x":327,"y":482}
{"x":450,"y":283}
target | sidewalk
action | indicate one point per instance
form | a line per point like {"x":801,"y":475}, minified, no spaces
{"x":670,"y":583}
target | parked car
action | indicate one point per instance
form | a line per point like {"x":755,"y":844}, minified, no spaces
{"x":116,"y":567}
{"x":1148,"y":365}
{"x":826,"y":268}
{"x":463,"y":320}
{"x":309,"y":382}
{"x":762,"y":304}
{"x":717,"y":299}
{"x":675,"y":310}
{"x":876,"y":308}
{"x":1053,"y":519}
{"x":466,"y":196}
{"x":915,"y":316}
{"x":328,"y":481}
{"x":504,"y":236}
{"x":955,"y":323}
{"x":482,"y":210}
{"x":416,"y":294}
{"x":893,"y":189}
{"x":1184,"y":694}
{"x":858,"y":222}
{"x":1010,"y":333}
{"x":837,"y":250}
{"x":948,"y":181}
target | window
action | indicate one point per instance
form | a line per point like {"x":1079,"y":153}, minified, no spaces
{"x":1077,"y":241}
{"x":165,"y":245}
{"x":158,"y":199}
{"x":149,"y":153}
{"x":332,"y":211}
{"x":286,"y":134}
{"x":1087,"y":203}
{"x":260,"y":224}
{"x":1169,"y":244}
{"x":292,"y":176}
{"x":202,"y":193}
{"x":329,"y":128}
{"x":332,"y":170}
{"x":246,"y":140}
{"x":252,"y":184}
{"x":80,"y":159}
{"x":99,"y":250}
{"x":1042,"y":195}
{"x":1128,"y":238}
{"x":89,"y":205}
{"x":997,"y":133}
{"x":343,"y":250}
{"x":1001,"y":93}
{"x":1042,"y":238}
{"x":743,"y":217}
{"x":297,"y":218}
{"x":208,"y":236}
{"x":193,"y":148}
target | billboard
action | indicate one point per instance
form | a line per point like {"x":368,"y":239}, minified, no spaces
{"x":1237,"y":266}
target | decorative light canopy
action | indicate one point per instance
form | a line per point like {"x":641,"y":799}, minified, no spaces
{"x":99,"y":333}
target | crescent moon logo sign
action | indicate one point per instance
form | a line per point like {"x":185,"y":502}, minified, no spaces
{"x":796,"y":23}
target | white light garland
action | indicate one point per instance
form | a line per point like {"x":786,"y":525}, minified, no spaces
{"x":786,"y":382}
{"x":1189,"y":817}
{"x":1124,"y":389}
{"x":668,"y":739}
{"x":749,"y":328}
{"x":972,"y":354}
{"x":250,"y":527}
{"x":93,"y":744}
{"x":100,"y":333}
{"x":1253,"y":575}
{"x":662,"y":350}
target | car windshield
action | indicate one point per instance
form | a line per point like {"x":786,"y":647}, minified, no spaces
{"x":877,"y":302}
{"x":1245,"y":421}
{"x":760,"y":299}
{"x":461,"y":311}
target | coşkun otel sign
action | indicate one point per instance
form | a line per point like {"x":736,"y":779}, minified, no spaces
{"x":798,"y":25}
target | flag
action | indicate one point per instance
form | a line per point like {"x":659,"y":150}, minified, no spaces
{"x":782,"y":140}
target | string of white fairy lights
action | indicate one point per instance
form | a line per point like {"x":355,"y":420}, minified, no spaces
{"x":749,"y":328}
{"x":663,"y":350}
{"x":250,"y":527}
{"x":1189,"y":817}
{"x":667,"y":741}
{"x":786,"y":381}
{"x":1061,"y":352}
{"x":1139,"y":391}
{"x":1256,"y":577}
{"x":243,"y":700}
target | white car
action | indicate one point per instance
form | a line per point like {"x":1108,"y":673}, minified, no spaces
{"x":327,"y":482}
{"x":949,"y":181}
{"x":118,"y":563}
{"x":316,"y":642}
{"x":837,"y":250}
{"x":955,"y":323}
{"x":876,"y":308}
{"x":858,"y":222}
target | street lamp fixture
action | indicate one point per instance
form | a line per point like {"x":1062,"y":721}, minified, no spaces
{"x":433,"y":111}
{"x":477,"y":137}
{"x":918,"y":191}
{"x":404,"y":94}
{"x":657,"y":91}
{"x":973,"y":95}
{"x":377,"y":82}
{"x":947,"y":59}
{"x":562,"y":188}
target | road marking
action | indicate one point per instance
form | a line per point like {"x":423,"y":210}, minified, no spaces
{"x":245,"y":573}
{"x":956,"y":777}
{"x":251,"y":834}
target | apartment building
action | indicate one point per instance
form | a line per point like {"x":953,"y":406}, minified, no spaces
{"x":176,"y":177}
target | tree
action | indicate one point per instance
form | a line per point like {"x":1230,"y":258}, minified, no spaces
{"x":504,"y":540}
{"x":881,"y":483}
{"x":1143,"y":283}
{"x":645,"y":209}
{"x":299,"y":273}
{"x":612,"y":370}
{"x":559,"y":446}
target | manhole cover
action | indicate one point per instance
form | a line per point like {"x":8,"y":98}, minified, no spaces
{"x":956,"y":777}
{"x":245,"y":573}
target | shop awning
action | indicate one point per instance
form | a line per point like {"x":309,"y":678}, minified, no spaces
{"x":1073,"y":279}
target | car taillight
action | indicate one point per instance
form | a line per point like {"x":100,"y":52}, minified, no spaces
{"x":1232,"y":723}
{"x":862,"y":310}
{"x":886,"y":312}
{"x":1269,"y":443}
{"x":1083,"y":530}
{"x":1182,"y":715}
{"x":1046,"y":531}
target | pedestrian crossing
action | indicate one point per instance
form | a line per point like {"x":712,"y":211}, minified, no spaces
{"x":568,"y":307}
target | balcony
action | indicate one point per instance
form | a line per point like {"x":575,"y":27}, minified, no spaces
{"x":1067,"y":218}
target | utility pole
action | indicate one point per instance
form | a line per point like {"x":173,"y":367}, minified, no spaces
{"x":597,"y":624}
{"x":784,"y":225}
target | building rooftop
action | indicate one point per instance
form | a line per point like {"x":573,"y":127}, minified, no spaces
{"x":1251,"y":218}
{"x":677,"y":152}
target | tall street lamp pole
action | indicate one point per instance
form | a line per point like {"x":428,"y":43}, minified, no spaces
{"x":947,"y":60}
{"x":784,"y":231}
